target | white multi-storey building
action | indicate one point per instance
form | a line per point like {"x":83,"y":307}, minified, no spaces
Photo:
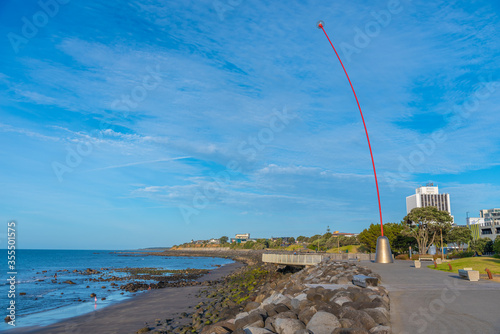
{"x":428,"y":196}
{"x":487,"y":225}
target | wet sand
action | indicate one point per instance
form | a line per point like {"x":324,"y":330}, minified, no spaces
{"x":131,"y":315}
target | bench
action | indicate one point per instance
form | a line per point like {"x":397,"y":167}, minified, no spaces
{"x":426,"y":258}
{"x":364,"y":281}
{"x":471,"y":275}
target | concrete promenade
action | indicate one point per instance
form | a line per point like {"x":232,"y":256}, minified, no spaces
{"x":431,"y":301}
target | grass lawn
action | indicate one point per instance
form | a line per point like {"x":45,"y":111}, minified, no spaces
{"x":476,"y":263}
{"x":350,"y":248}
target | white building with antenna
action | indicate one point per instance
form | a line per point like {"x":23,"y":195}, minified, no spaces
{"x":428,"y":196}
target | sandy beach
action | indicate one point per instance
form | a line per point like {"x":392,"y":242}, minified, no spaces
{"x":133,"y":314}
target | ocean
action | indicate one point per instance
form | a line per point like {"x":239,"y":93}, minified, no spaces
{"x":39,"y":300}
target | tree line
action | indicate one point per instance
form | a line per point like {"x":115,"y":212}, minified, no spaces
{"x":424,"y":227}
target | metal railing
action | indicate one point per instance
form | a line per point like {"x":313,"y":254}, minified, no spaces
{"x":312,"y":259}
{"x":291,"y":259}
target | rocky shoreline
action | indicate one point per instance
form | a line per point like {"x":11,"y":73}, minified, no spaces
{"x":262,"y":298}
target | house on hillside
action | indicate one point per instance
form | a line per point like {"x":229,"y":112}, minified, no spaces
{"x":241,"y":238}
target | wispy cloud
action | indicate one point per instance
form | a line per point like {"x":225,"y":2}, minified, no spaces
{"x":138,"y":163}
{"x":221,"y":82}
{"x":28,"y":133}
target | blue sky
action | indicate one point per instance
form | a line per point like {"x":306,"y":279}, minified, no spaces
{"x":150,"y":123}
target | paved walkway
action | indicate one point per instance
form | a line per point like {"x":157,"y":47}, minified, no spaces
{"x":431,"y":301}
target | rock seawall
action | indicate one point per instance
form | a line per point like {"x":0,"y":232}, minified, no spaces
{"x":321,"y":300}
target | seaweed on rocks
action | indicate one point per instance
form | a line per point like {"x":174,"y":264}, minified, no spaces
{"x":261,"y":298}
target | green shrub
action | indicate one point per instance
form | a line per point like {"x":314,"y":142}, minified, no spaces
{"x":496,"y":245}
{"x":460,"y":255}
{"x":402,"y":257}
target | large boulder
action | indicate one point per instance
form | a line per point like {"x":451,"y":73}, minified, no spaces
{"x":381,"y":330}
{"x":288,"y":326}
{"x":377,"y":315}
{"x":323,"y":323}
{"x":354,"y":330}
{"x":257,"y":330}
{"x":251,"y":318}
{"x":258,"y":324}
{"x":342,"y":300}
{"x":271,"y":321}
{"x":276,"y":298}
{"x":251,"y":306}
{"x":348,"y":323}
{"x":359,"y":316}
{"x":297,"y":299}
{"x":314,"y":296}
{"x":331,"y":308}
{"x":275,"y":309}
{"x":307,"y":314}
{"x":216,"y":330}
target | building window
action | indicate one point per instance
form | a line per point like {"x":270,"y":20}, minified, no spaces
{"x":487,"y":231}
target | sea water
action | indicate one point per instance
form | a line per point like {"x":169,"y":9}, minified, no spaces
{"x":45,"y":301}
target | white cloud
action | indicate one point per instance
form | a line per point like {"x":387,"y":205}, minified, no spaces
{"x":28,"y":133}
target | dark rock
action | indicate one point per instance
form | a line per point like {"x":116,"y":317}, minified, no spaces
{"x":69,"y":282}
{"x":306,"y":315}
{"x":314,"y":297}
{"x":362,"y":305}
{"x":257,"y":324}
{"x":275,"y":309}
{"x":215,"y":329}
{"x":247,"y":320}
{"x":251,"y":306}
{"x":230,"y":312}
{"x":380,"y":303}
{"x":260,"y":311}
{"x":305,"y":304}
{"x":287,"y":314}
{"x":348,"y":323}
{"x":359,"y":296}
{"x":239,"y":331}
{"x":330,"y":308}
{"x":377,"y":315}
{"x":350,"y":331}
{"x":359,"y":316}
{"x":269,"y":324}
{"x":227,"y":324}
